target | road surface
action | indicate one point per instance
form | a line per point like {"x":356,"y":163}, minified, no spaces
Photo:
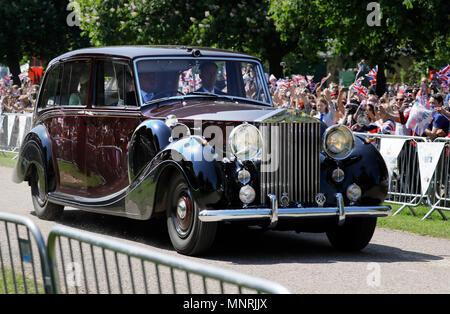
{"x":394,"y":261}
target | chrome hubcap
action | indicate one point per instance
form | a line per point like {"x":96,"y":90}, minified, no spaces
{"x":183,"y":216}
{"x":181,"y":208}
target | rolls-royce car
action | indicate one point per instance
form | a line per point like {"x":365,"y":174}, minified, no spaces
{"x":191,"y":135}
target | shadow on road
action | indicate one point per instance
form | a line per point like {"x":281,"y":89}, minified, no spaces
{"x":242,"y":245}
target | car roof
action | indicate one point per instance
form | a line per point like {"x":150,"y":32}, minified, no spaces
{"x":134,"y":52}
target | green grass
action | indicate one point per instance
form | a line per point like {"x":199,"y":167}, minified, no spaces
{"x":433,"y":226}
{"x":19,"y":287}
{"x":6,"y":159}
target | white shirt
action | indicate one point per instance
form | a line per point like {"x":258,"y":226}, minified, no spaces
{"x":327,"y":118}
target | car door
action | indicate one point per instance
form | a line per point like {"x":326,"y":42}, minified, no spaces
{"x":67,"y":127}
{"x":110,"y":124}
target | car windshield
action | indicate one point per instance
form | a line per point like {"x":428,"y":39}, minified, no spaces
{"x":165,"y":78}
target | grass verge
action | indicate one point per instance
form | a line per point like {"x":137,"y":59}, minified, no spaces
{"x":433,"y":226}
{"x":6,"y":159}
{"x":17,"y":286}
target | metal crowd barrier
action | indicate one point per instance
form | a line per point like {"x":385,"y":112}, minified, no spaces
{"x":22,"y":271}
{"x":13,"y":128}
{"x":75,"y":261}
{"x":440,"y":198}
{"x":404,"y":183}
{"x":78,"y":256}
{"x":407,"y":186}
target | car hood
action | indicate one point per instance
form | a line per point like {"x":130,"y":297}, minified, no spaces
{"x":228,"y":111}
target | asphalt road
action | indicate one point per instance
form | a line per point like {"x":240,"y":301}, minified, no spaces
{"x":394,"y":261}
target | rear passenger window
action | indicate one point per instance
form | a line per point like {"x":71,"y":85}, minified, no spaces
{"x":75,"y":83}
{"x":49,"y":90}
{"x":114,"y":85}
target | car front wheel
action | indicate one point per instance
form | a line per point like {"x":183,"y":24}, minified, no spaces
{"x":187,"y":233}
{"x":354,"y":235}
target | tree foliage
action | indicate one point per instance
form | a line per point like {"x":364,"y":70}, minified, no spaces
{"x":240,"y":25}
{"x":407,"y":28}
{"x":34,"y":28}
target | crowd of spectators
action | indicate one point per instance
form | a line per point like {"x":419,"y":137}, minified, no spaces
{"x":403,"y":109}
{"x":18,"y":99}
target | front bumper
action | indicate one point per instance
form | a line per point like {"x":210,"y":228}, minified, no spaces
{"x":274,"y":213}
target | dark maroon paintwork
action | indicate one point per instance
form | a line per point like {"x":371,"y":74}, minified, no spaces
{"x":90,"y":144}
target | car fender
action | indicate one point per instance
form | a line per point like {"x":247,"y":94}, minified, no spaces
{"x":365,"y":167}
{"x":35,"y":150}
{"x":194,"y":159}
{"x":149,"y":138}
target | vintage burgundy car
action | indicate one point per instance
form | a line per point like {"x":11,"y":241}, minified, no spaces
{"x":192,"y":134}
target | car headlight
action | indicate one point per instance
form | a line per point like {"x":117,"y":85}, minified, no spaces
{"x":245,"y":142}
{"x":339,"y":142}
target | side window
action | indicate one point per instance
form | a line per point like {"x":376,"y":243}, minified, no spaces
{"x":253,"y":85}
{"x":75,"y":83}
{"x":49,"y":89}
{"x":114,"y":85}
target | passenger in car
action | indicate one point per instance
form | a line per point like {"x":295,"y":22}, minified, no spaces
{"x":80,"y":97}
{"x":208,"y":75}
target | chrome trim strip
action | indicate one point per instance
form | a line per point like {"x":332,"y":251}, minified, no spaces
{"x":274,"y":210}
{"x":292,"y":213}
{"x":340,"y":203}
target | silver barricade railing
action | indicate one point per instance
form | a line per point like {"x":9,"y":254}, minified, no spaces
{"x":13,"y":128}
{"x":404,"y":182}
{"x":21,"y":269}
{"x":116,"y":267}
{"x":440,"y":194}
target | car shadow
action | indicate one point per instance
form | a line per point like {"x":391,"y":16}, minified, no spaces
{"x":241,"y":245}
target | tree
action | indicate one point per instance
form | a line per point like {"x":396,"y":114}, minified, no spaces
{"x":241,"y":25}
{"x":34,"y":28}
{"x":406,"y":28}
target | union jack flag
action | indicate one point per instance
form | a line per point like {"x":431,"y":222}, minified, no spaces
{"x":444,"y":73}
{"x":385,"y":127}
{"x":358,"y":88}
{"x":372,"y":76}
{"x":445,"y":85}
{"x":311,"y":84}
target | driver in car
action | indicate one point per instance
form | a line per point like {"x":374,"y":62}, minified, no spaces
{"x":148,"y":85}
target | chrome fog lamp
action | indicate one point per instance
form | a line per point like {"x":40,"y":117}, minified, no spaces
{"x":244,"y":176}
{"x":338,"y":175}
{"x":245,"y":142}
{"x":339,"y":142}
{"x":247,"y":194}
{"x":354,"y":192}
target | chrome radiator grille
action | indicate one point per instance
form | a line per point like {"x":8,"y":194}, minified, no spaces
{"x":290,"y":167}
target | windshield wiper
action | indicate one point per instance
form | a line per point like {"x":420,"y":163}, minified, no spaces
{"x":210,"y":95}
{"x":202,"y":94}
{"x":158,"y":101}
